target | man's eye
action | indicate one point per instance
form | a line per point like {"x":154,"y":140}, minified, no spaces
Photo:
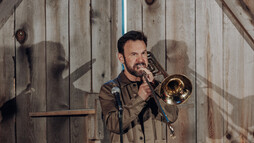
{"x":145,"y":53}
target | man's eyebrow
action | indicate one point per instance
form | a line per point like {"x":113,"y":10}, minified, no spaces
{"x":133,"y":52}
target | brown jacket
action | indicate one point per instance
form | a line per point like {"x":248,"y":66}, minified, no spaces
{"x":141,"y":119}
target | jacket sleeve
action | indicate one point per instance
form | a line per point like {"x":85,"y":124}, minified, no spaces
{"x":110,"y":111}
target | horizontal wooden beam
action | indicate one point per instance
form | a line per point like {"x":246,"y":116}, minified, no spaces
{"x":81,"y":112}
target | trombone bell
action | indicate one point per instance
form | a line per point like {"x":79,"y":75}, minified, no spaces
{"x":174,"y":89}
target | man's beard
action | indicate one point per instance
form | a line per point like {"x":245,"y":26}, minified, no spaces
{"x":132,"y":70}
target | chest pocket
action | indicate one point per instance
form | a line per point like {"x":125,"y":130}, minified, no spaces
{"x":128,"y":92}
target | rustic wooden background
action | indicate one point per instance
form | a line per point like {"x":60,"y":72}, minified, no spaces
{"x":70,"y":51}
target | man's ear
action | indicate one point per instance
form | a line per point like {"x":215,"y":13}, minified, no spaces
{"x":121,"y":58}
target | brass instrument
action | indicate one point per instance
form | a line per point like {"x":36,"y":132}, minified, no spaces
{"x":174,"y":89}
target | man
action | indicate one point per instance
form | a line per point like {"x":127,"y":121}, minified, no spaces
{"x":140,"y":112}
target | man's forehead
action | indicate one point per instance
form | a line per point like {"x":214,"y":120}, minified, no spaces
{"x":133,"y":46}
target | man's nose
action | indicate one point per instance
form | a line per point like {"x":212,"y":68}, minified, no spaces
{"x":140,"y":58}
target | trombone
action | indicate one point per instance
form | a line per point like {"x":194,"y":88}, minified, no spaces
{"x":173,"y":90}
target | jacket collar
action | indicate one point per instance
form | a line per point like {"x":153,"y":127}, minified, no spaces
{"x":123,"y":80}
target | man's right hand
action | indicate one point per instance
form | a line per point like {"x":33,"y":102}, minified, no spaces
{"x":144,"y":91}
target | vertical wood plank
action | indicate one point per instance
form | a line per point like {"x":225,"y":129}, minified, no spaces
{"x":134,"y":15}
{"x":209,"y":71}
{"x":180,"y":35}
{"x":30,"y":72}
{"x":116,"y":30}
{"x":154,"y":28}
{"x":57,"y":68}
{"x":7,"y":82}
{"x":101,"y":46}
{"x":80,"y":66}
{"x":238,"y":65}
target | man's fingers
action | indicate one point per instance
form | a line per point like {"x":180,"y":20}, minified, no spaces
{"x":149,"y":74}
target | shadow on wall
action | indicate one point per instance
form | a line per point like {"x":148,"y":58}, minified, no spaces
{"x":41,"y":86}
{"x":213,"y":113}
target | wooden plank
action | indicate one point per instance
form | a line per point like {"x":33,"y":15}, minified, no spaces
{"x":154,"y":28}
{"x":240,"y":13}
{"x":180,"y":47}
{"x":101,"y":48}
{"x":248,"y":7}
{"x":7,"y":9}
{"x":30,"y":72}
{"x":116,"y":30}
{"x":63,"y":113}
{"x":80,"y":66}
{"x":7,"y":82}
{"x":209,"y":71}
{"x":57,"y":48}
{"x":95,"y":123}
{"x":242,"y":20}
{"x":101,"y":19}
{"x":238,"y":83}
{"x":134,"y":15}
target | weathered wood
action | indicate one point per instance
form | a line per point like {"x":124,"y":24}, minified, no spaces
{"x":248,"y":7}
{"x":134,"y":15}
{"x":30,"y":72}
{"x":180,"y":47}
{"x":209,"y":71}
{"x":7,"y":9}
{"x":80,"y":66}
{"x":101,"y":47}
{"x":238,"y":76}
{"x":95,"y":123}
{"x":101,"y":27}
{"x":63,"y":113}
{"x":220,"y":110}
{"x":154,"y":28}
{"x":58,"y":84}
{"x":242,"y":20}
{"x":7,"y":82}
{"x":116,"y":33}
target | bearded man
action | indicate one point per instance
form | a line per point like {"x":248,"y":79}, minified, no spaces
{"x":141,"y":118}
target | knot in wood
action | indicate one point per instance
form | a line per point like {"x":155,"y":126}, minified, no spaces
{"x":150,"y":2}
{"x":20,"y":36}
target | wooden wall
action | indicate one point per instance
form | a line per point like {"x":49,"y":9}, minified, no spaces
{"x":70,"y":51}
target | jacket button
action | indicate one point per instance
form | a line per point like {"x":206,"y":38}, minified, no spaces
{"x":141,"y":138}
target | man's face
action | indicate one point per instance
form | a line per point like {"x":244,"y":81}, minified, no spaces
{"x":135,"y":57}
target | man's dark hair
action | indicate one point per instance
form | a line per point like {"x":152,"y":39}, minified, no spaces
{"x":131,"y":35}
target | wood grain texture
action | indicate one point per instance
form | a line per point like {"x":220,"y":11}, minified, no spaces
{"x":7,"y":82}
{"x":154,"y":28}
{"x":101,"y":18}
{"x":7,"y":9}
{"x":71,"y":50}
{"x":134,"y":15}
{"x":81,"y":112}
{"x":80,"y":66}
{"x":209,"y":72}
{"x":238,"y":85}
{"x":242,"y":19}
{"x":116,"y":33}
{"x":30,"y":72}
{"x":180,"y":47}
{"x":58,"y":85}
